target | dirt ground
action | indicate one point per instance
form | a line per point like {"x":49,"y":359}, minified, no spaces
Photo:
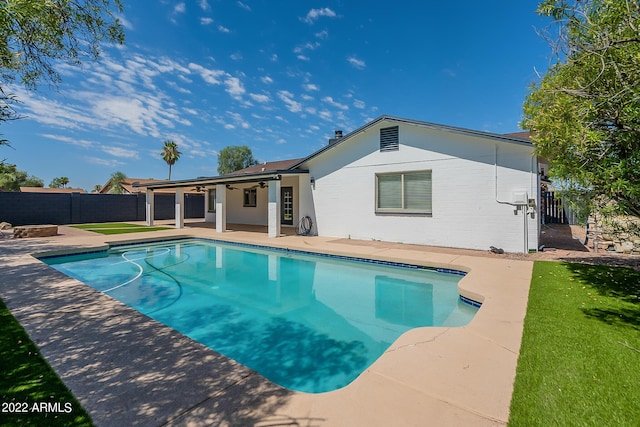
{"x":566,"y":243}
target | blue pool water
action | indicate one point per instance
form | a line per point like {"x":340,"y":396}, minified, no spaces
{"x":309,"y":323}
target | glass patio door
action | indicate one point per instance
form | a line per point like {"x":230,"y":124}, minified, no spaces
{"x":286,"y":208}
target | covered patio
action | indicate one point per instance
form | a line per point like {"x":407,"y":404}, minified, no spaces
{"x":268,"y":200}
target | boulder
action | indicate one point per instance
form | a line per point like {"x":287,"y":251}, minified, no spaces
{"x":24,"y":231}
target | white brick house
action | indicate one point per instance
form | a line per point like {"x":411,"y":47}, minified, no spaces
{"x":394,"y":180}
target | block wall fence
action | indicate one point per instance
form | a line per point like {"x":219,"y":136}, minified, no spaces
{"x":77,"y":208}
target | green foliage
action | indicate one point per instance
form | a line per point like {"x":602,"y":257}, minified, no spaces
{"x":585,"y":112}
{"x":115,"y":183}
{"x":36,"y":34}
{"x":26,"y":377}
{"x":580,"y":347}
{"x":170,"y":154}
{"x":59,"y":182}
{"x":11,"y":179}
{"x":234,"y":158}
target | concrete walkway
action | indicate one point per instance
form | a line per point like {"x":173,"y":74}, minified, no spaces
{"x":127,"y":369}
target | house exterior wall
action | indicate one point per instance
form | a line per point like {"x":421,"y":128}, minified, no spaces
{"x":466,"y":212}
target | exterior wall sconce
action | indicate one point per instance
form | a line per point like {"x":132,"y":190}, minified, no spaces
{"x":313,"y":182}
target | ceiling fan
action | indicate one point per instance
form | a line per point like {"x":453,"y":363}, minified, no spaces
{"x":261,"y":184}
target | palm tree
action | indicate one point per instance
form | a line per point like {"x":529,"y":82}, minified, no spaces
{"x":170,"y":154}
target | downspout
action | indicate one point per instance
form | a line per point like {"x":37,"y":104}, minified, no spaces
{"x":517,"y":206}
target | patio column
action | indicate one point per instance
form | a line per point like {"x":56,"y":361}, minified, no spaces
{"x":179,"y":207}
{"x":221,"y":208}
{"x":274,"y":209}
{"x":149,"y":207}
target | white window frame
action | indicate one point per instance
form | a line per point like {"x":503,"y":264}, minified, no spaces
{"x":428,"y":211}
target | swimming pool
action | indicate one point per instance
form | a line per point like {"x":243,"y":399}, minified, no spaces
{"x":307,"y":322}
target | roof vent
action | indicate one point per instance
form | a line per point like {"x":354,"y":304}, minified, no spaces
{"x":336,"y":136}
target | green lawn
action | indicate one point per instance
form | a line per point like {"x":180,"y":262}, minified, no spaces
{"x":117,"y":228}
{"x":579,"y":363}
{"x":27,"y":383}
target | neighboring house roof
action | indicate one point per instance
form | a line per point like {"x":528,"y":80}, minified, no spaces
{"x":127,"y":185}
{"x":435,"y":126}
{"x":522,"y":135}
{"x":268,"y":166}
{"x":128,"y":188}
{"x":50,"y":190}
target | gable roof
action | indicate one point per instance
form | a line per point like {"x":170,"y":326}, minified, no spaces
{"x":268,"y":167}
{"x":510,"y":138}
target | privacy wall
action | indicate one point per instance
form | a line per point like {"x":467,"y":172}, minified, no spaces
{"x":77,"y":208}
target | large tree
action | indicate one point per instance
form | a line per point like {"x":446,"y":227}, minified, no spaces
{"x":11,"y":179}
{"x":116,"y":183}
{"x":584,"y":113}
{"x":235,"y":157}
{"x":170,"y":154}
{"x":37,"y":34}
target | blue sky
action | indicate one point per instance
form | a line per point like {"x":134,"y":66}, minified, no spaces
{"x":279,"y":77}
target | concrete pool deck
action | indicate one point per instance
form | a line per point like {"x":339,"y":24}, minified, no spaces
{"x":127,"y":369}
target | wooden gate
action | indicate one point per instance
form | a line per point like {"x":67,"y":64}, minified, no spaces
{"x":552,"y":209}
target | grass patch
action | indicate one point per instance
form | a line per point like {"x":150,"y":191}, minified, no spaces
{"x":104,"y":225}
{"x":117,"y":228}
{"x":579,"y":362}
{"x":26,"y":379}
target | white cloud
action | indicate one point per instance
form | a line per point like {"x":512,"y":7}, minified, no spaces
{"x":209,"y":76}
{"x":266,"y":79}
{"x":325,"y":114}
{"x":234,"y":87}
{"x":261,"y":98}
{"x":324,"y":34}
{"x":120,"y":152}
{"x":306,"y":97}
{"x":73,"y":141}
{"x":180,"y":8}
{"x":104,"y":162}
{"x":223,"y":29}
{"x":236,"y":56}
{"x":204,"y":5}
{"x":358,"y":104}
{"x":329,"y":100}
{"x":306,"y":46}
{"x":314,"y":14}
{"x":206,"y":21}
{"x":356,"y":63}
{"x":287,"y":98}
{"x":125,"y":23}
{"x":244,"y":6}
{"x":303,"y":58}
{"x":239,"y":120}
{"x":310,"y":87}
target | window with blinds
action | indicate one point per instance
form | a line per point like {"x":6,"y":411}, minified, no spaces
{"x":406,"y":192}
{"x":389,"y":139}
